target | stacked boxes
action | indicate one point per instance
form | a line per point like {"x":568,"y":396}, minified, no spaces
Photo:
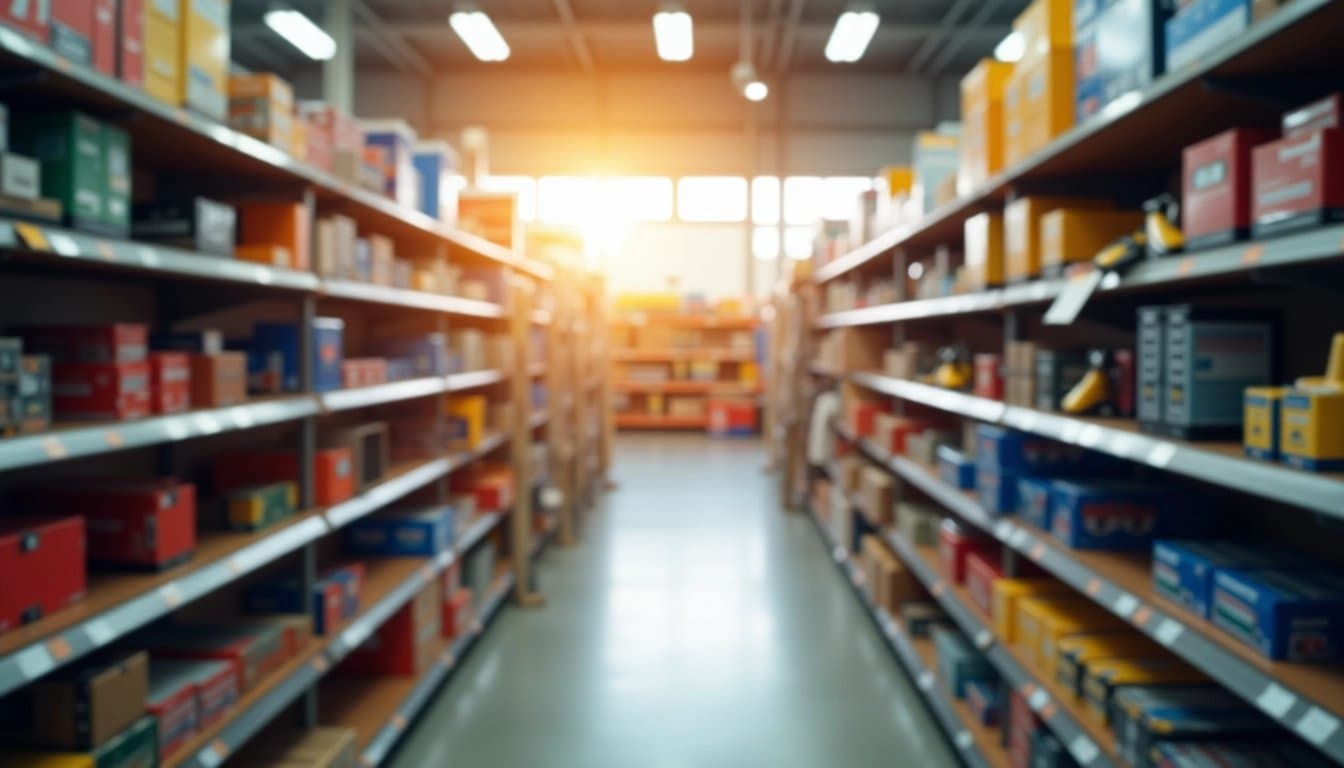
{"x":83,"y":706}
{"x":1118,"y":516}
{"x":1216,"y":188}
{"x":197,"y":224}
{"x":1310,"y":435}
{"x":203,"y":57}
{"x":1201,"y":27}
{"x":85,"y":164}
{"x":335,"y":598}
{"x":274,"y":354}
{"x":1297,"y":179}
{"x":48,"y":554}
{"x":131,"y":524}
{"x":1119,"y":50}
{"x":1284,"y":614}
{"x":935,"y":161}
{"x":98,"y":372}
{"x":1073,"y":235}
{"x":405,"y":646}
{"x":393,"y":142}
{"x":1019,"y":373}
{"x":407,"y":532}
{"x":333,"y":471}
{"x":1022,"y":228}
{"x":984,"y":251}
{"x":982,"y":91}
{"x":164,"y":74}
{"x":262,"y":106}
{"x":1038,"y":97}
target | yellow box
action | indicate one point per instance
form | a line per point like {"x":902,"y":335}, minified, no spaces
{"x":1104,"y":677}
{"x":1075,"y":652}
{"x":899,"y":178}
{"x":1072,"y":235}
{"x":1046,"y":26}
{"x":1261,"y":423}
{"x":984,"y":250}
{"x":984,"y":85}
{"x":1014,"y":148}
{"x":203,"y":56}
{"x":982,"y":147}
{"x":1022,"y":228}
{"x":1312,"y":430}
{"x":470,"y":411}
{"x":1047,"y":99}
{"x":162,"y":43}
{"x":1008,"y":594}
{"x":1068,"y":618}
{"x":749,"y":374}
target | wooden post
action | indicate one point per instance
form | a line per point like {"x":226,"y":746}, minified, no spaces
{"x":520,"y":448}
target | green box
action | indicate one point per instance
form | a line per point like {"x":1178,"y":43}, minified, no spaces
{"x":135,"y":747}
{"x":117,"y":162}
{"x":252,"y":509}
{"x":69,"y":145}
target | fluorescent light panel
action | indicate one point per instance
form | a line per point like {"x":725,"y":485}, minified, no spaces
{"x":853,"y":32}
{"x":1011,"y":48}
{"x":756,"y":90}
{"x":479,"y":34}
{"x":311,"y":40}
{"x":674,"y":34}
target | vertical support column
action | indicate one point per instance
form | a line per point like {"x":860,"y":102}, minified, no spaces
{"x":307,"y":451}
{"x":576,"y":462}
{"x":520,"y":447}
{"x":900,"y":265}
{"x":1012,"y":331}
{"x":443,"y":326}
{"x":338,"y":72}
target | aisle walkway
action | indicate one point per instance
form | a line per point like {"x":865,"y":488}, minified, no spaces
{"x":696,"y":626}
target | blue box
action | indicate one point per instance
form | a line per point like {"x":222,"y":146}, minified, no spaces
{"x":419,"y":532}
{"x":436,"y":162}
{"x":1202,"y":27}
{"x":997,"y":489}
{"x":427,"y":354}
{"x":1120,"y":52}
{"x":1285,"y":615}
{"x":1033,"y":501}
{"x":273,"y":356}
{"x":362,"y":269}
{"x":1183,"y":570}
{"x":955,"y":468}
{"x":285,"y":596}
{"x":350,"y":580}
{"x":983,"y":699}
{"x":1019,"y":452}
{"x":1117,"y":516}
{"x":394,"y":140}
{"x":958,"y":662}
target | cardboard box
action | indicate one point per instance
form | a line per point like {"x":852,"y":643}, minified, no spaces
{"x":917,"y":523}
{"x":1298,"y":181}
{"x":1005,"y":596}
{"x":82,"y":706}
{"x":312,"y":748}
{"x":1010,"y":449}
{"x":203,"y":57}
{"x":1105,"y":678}
{"x":195,"y":223}
{"x":1310,"y":435}
{"x":394,"y":140}
{"x":984,"y":242}
{"x":1201,"y":27}
{"x":466,"y":415}
{"x":407,"y":645}
{"x":1217,"y":189}
{"x":1121,"y":52}
{"x":1292,"y":615}
{"x":1183,"y":570}
{"x":262,"y":106}
{"x":130,"y":523}
{"x":955,"y":468}
{"x":1119,"y":516}
{"x":252,"y":649}
{"x":217,"y":689}
{"x":86,"y":391}
{"x":1046,"y":26}
{"x":47,"y":553}
{"x":1148,"y":716}
{"x":368,"y":445}
{"x":218,"y":380}
{"x":1034,"y":503}
{"x":333,"y":472}
{"x":72,"y":23}
{"x":261,"y":506}
{"x":959,"y":663}
{"x":273,"y":356}
{"x":436,"y":162}
{"x":33,"y":18}
{"x":164,"y":70}
{"x":988,"y":376}
{"x":1314,"y":117}
{"x":1073,"y":654}
{"x":130,"y":41}
{"x":1070,"y":236}
{"x":955,"y":542}
{"x":982,"y":118}
{"x":69,"y":147}
{"x":277,"y":225}
{"x":1023,"y":245}
{"x":983,"y":569}
{"x":1046,"y":99}
{"x":170,"y":382}
{"x":935,"y":161}
{"x":406,"y":532}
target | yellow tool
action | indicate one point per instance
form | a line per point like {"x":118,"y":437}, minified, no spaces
{"x":954,"y":372}
{"x":1093,"y":390}
{"x":1334,"y":369}
{"x":1162,"y":225}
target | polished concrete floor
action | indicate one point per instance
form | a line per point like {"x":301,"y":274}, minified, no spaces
{"x":695,"y":625}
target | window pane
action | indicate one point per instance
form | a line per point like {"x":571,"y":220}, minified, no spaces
{"x":566,"y":199}
{"x":524,"y":186}
{"x":765,"y":243}
{"x":798,"y":242}
{"x":840,"y":196}
{"x":802,"y":199}
{"x":640,"y":198}
{"x":712,"y":198}
{"x":765,"y":200}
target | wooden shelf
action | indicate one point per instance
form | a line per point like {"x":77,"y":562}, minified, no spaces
{"x":702,"y":322}
{"x":690,"y":355}
{"x":647,"y":421}
{"x":725,"y":388}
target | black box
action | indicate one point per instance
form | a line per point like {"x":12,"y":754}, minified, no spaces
{"x":196,"y":223}
{"x":1152,"y":363}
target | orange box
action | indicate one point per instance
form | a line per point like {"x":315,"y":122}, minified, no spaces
{"x":333,"y":476}
{"x":1046,"y":98}
{"x":1022,"y":231}
{"x":1046,"y":27}
{"x":262,"y":106}
{"x":984,"y":250}
{"x":284,"y":225}
{"x":1014,"y":147}
{"x":984,"y":85}
{"x":270,"y":255}
{"x":1069,"y":236}
{"x":218,"y":380}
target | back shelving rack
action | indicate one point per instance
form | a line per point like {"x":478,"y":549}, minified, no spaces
{"x":87,"y":274}
{"x":1131,"y":144}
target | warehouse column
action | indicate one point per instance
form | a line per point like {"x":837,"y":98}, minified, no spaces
{"x":338,"y":72}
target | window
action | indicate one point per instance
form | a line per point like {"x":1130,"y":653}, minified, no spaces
{"x":639,"y":198}
{"x":523,"y":186}
{"x":567,"y":199}
{"x":765,"y":200}
{"x":798,"y":242}
{"x":802,"y":199}
{"x":765,"y":243}
{"x":809,"y":199}
{"x":712,"y":198}
{"x":840,"y":196}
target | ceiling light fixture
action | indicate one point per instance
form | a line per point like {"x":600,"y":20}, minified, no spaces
{"x":479,"y":34}
{"x":673,"y":33}
{"x":300,"y":31}
{"x":1011,"y":48}
{"x":853,"y":32}
{"x":748,"y":82}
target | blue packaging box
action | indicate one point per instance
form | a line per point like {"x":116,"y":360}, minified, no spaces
{"x":1144,"y":715}
{"x":1285,"y":615}
{"x":1183,"y":569}
{"x":1120,"y":52}
{"x":1117,"y":516}
{"x":351,"y":580}
{"x":1202,"y":27}
{"x":1033,"y":501}
{"x":958,"y":662}
{"x":997,"y":489}
{"x":983,"y":699}
{"x":285,"y":596}
{"x":273,"y":356}
{"x":955,"y":468}
{"x":428,"y":354}
{"x":436,"y":162}
{"x":1020,"y":452}
{"x":420,"y":532}
{"x":363,"y":266}
{"x":394,"y":139}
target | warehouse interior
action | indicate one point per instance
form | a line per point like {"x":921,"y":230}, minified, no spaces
{"x":681,"y":382}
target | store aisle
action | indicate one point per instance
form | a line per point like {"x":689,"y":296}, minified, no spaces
{"x":697,"y":625}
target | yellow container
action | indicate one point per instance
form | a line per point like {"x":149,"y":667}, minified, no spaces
{"x":1070,"y":235}
{"x":900,"y":179}
{"x":1046,"y":98}
{"x":1008,"y":597}
{"x":1046,"y":26}
{"x":1261,"y":430}
{"x":1312,"y":430}
{"x":1068,"y":618}
{"x":471,"y":410}
{"x":1022,"y":232}
{"x":1104,"y":677}
{"x":1075,"y":652}
{"x":1014,"y":117}
{"x":749,"y":374}
{"x":984,"y":250}
{"x":162,"y":42}
{"x":983,"y":86}
{"x":204,"y":57}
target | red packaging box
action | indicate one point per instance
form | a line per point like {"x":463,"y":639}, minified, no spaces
{"x":1022,"y":726}
{"x":105,"y":36}
{"x":130,"y":42}
{"x":333,"y":472}
{"x":217,"y":689}
{"x":218,"y":380}
{"x":491,"y":485}
{"x":450,"y":581}
{"x":901,"y":428}
{"x":169,"y":382}
{"x":72,"y":29}
{"x":319,"y":153}
{"x":46,"y":555}
{"x":1313,"y":117}
{"x":341,"y":131}
{"x":32,"y":18}
{"x":1299,"y":181}
{"x":982,"y":570}
{"x":173,"y":702}
{"x":989,"y":376}
{"x":1123,"y":382}
{"x":363,"y":372}
{"x":407,"y":644}
{"x":731,"y":416}
{"x":457,"y":614}
{"x":251,"y":651}
{"x":863,"y":417}
{"x":145,"y":524}
{"x":1216,"y":198}
{"x":117,"y":343}
{"x":954,"y":543}
{"x":117,"y":391}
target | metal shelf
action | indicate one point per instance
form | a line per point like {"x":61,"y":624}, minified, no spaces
{"x":400,"y":297}
{"x":461,"y":381}
{"x":1221,"y":464}
{"x":379,"y":394}
{"x":1307,"y":700}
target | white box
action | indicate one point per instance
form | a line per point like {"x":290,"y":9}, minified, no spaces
{"x":20,"y":177}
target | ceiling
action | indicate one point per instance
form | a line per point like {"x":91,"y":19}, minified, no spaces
{"x":920,"y":37}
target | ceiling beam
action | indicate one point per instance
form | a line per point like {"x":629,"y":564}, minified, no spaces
{"x":576,"y":39}
{"x":770,"y":31}
{"x":945,"y":28}
{"x":393,"y":46}
{"x":959,"y":40}
{"x":710,"y":32}
{"x":789,"y":37}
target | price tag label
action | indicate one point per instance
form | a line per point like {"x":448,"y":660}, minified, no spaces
{"x":1185,"y":267}
{"x":34,"y":662}
{"x":926,"y":680}
{"x":983,"y":639}
{"x":106,"y":251}
{"x":114,"y":438}
{"x":1142,"y":615}
{"x":59,"y":649}
{"x":1252,"y":255}
{"x":399,"y":722}
{"x":1038,"y":552}
{"x":1125,"y":604}
{"x":1038,"y":699}
{"x":320,"y":664}
{"x":964,"y":740}
{"x":1317,"y":726}
{"x":54,"y":448}
{"x":1275,"y":701}
{"x":171,"y":594}
{"x":99,"y":631}
{"x":63,"y":244}
{"x":32,"y":236}
{"x":1168,"y":632}
{"x":1094,"y":587}
{"x":1084,"y":750}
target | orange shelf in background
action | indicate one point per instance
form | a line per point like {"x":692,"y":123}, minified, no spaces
{"x":654,"y":421}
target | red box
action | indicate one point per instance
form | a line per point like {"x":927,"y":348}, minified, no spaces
{"x":982,"y":570}
{"x":1123,"y":382}
{"x":457,"y":614}
{"x":901,"y":429}
{"x":1022,"y":725}
{"x":954,"y":543}
{"x":251,"y":655}
{"x":989,"y":376}
{"x":319,"y":149}
{"x":333,"y":472}
{"x":407,"y":644}
{"x":45,"y":554}
{"x":731,"y":417}
{"x":862,"y":417}
{"x":32,"y":18}
{"x":117,"y":343}
{"x":491,"y":485}
{"x":1216,"y":205}
{"x":341,"y":131}
{"x":105,"y":36}
{"x":130,"y":523}
{"x":1299,"y":180}
{"x":217,"y":690}
{"x":175,"y":707}
{"x":72,"y":20}
{"x":130,"y":42}
{"x":100,"y":390}
{"x":169,"y":382}
{"x":1316,"y":116}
